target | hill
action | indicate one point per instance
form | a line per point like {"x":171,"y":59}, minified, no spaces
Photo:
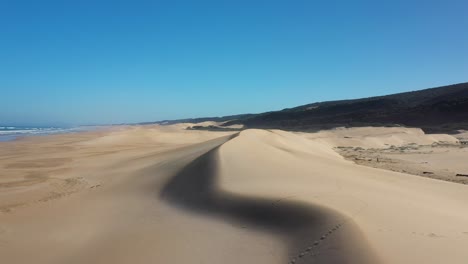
{"x":435,"y":110}
{"x":440,"y":109}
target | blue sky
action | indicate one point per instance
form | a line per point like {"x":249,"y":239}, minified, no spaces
{"x":88,"y":62}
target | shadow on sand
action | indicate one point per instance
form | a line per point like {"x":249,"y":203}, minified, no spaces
{"x":305,"y":229}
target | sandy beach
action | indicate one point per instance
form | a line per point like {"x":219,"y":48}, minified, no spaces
{"x":164,"y":194}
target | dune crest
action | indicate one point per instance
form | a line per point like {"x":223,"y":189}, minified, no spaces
{"x":308,"y":231}
{"x":164,"y":194}
{"x":402,"y":215}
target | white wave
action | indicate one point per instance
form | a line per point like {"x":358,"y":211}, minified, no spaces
{"x":37,"y":131}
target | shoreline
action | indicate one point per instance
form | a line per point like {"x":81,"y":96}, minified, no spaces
{"x":18,"y":133}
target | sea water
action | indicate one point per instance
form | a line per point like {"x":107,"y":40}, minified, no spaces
{"x":8,"y":133}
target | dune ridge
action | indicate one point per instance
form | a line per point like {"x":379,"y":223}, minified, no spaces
{"x":305,"y":228}
{"x":402,"y":216}
{"x":169,"y":195}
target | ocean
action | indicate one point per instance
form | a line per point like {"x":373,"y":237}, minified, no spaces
{"x":8,"y":133}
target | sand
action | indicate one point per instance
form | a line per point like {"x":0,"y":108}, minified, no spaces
{"x":163,"y":194}
{"x":406,"y":150}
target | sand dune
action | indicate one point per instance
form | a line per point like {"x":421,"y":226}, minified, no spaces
{"x":162,"y":194}
{"x":403,"y":216}
{"x":305,"y":228}
{"x":378,"y":137}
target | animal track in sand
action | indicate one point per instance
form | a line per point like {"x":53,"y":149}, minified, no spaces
{"x":309,"y":250}
{"x":194,"y":189}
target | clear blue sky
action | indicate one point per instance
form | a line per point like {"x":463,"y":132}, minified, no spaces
{"x":81,"y":62}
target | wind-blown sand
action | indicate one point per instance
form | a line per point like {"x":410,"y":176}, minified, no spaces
{"x":162,"y":194}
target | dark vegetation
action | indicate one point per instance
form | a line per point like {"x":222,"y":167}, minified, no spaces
{"x":441,"y":109}
{"x":213,"y":128}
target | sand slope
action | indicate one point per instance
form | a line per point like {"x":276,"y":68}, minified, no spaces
{"x":408,"y":219}
{"x":167,"y":195}
{"x":378,"y":137}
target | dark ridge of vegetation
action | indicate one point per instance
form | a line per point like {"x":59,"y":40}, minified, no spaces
{"x":440,"y":109}
{"x":213,"y":128}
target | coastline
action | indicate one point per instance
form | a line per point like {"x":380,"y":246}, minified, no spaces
{"x":12,"y":133}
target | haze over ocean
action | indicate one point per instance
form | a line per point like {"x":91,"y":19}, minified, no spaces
{"x":101,"y":62}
